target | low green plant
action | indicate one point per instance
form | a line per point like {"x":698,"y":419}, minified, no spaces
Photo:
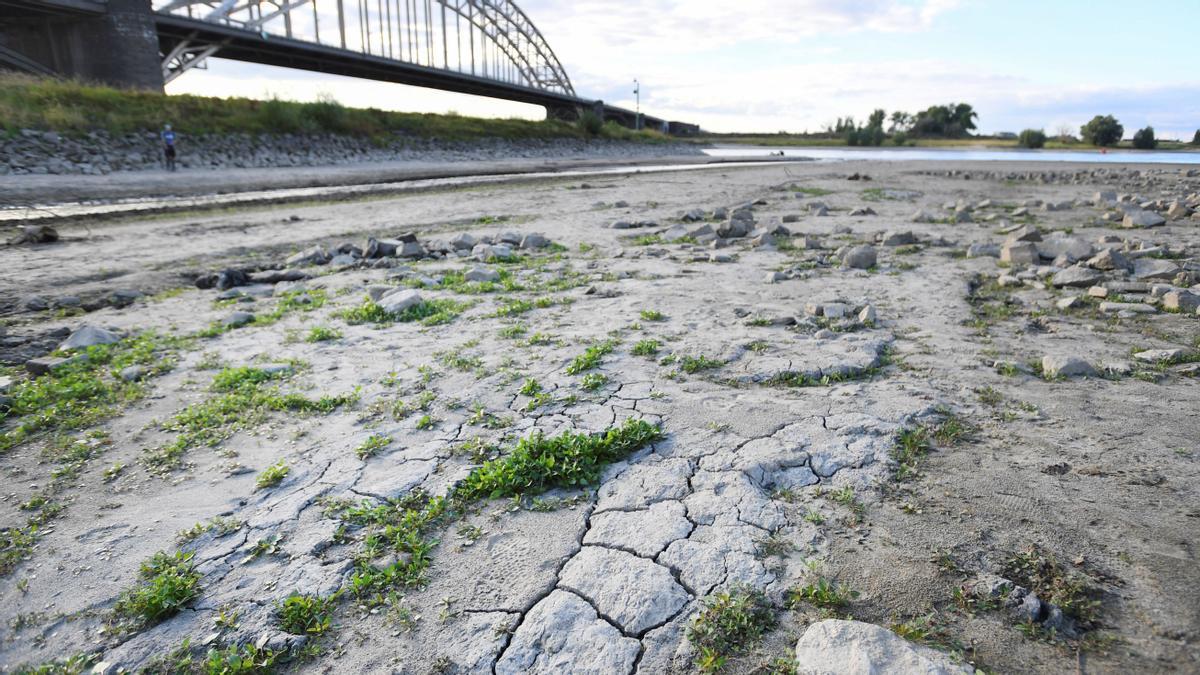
{"x":538,"y":463}
{"x":429,"y":312}
{"x":372,"y":446}
{"x":594,"y":381}
{"x":305,"y":614}
{"x":272,"y":475}
{"x":591,"y":357}
{"x":646,"y":348}
{"x":727,"y":624}
{"x":694,"y":364}
{"x":822,"y":594}
{"x":322,"y":334}
{"x":168,"y":582}
{"x":652,"y":315}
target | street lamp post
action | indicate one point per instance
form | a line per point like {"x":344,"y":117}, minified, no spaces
{"x":637,"y":92}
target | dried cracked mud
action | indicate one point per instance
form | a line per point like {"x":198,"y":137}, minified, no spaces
{"x":887,"y":442}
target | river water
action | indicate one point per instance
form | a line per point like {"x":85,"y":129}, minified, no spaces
{"x":962,"y":154}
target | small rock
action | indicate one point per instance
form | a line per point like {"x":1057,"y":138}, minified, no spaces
{"x":237,"y":319}
{"x":1131,"y":307}
{"x":482,"y":274}
{"x":1158,"y":355}
{"x":399,"y":300}
{"x":894,"y":238}
{"x":1142,"y":219}
{"x":1181,"y":301}
{"x":87,"y":336}
{"x":534,"y":240}
{"x":1077,"y":277}
{"x":315,"y":255}
{"x":134,"y":373}
{"x":860,"y":257}
{"x":1067,"y":366}
{"x":1019,"y":253}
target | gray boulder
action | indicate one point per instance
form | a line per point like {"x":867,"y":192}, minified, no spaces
{"x":1076,"y":277}
{"x":894,"y":238}
{"x":315,"y":255}
{"x":482,"y":274}
{"x":399,"y":300}
{"x":1154,"y":268}
{"x":534,"y":240}
{"x":88,"y":336}
{"x":860,"y":257}
{"x":1067,"y":366}
{"x":1142,"y":218}
{"x":237,"y":319}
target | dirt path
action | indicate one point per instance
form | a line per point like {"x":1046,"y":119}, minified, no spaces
{"x":804,"y":450}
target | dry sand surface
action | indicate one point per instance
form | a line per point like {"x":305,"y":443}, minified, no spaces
{"x":657,"y":452}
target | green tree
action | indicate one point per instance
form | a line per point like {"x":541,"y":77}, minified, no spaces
{"x":1144,"y":139}
{"x":1032,"y":138}
{"x":964,"y":117}
{"x":1196,"y":138}
{"x":876,"y":119}
{"x":901,"y":121}
{"x":1102,"y":130}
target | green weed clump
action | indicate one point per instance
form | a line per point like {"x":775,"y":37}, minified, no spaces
{"x":729,"y":623}
{"x":305,"y":614}
{"x":243,"y":400}
{"x":83,"y":392}
{"x":1040,"y":572}
{"x":168,"y":583}
{"x":322,"y":334}
{"x":430,"y":313}
{"x":289,"y":303}
{"x":272,"y":475}
{"x":591,"y":357}
{"x":538,"y":463}
{"x":646,"y":348}
{"x":397,"y":549}
{"x":822,"y":594}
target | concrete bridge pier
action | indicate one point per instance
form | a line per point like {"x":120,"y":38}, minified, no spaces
{"x":115,"y":42}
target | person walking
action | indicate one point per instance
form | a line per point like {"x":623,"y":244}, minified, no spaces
{"x":168,"y":139}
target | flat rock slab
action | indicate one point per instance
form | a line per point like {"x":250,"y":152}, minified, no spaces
{"x":644,"y":532}
{"x":837,"y":647}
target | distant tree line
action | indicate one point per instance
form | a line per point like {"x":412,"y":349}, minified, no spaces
{"x":957,"y":120}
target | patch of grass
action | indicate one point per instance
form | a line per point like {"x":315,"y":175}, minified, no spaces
{"x":810,"y":191}
{"x":594,"y":381}
{"x":531,"y":387}
{"x":695,"y":364}
{"x":647,"y":348}
{"x":570,"y":459}
{"x":243,"y":400}
{"x":426,"y":422}
{"x":305,"y":614}
{"x":652,"y":315}
{"x":430,"y":313}
{"x":272,"y":475}
{"x":288,"y":303}
{"x":822,"y":594}
{"x":372,"y":446}
{"x":513,"y":331}
{"x":728,"y":624}
{"x":85,"y":391}
{"x":222,"y":526}
{"x":74,"y":107}
{"x":243,"y":659}
{"x":591,"y":357}
{"x":646,"y":240}
{"x":322,"y":334}
{"x":1040,"y":572}
{"x":910,"y":447}
{"x":168,"y":583}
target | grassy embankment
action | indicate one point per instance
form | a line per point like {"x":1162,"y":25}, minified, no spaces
{"x":826,"y":140}
{"x":72,"y":107}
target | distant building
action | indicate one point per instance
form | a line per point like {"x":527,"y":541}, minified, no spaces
{"x":682,"y":129}
{"x":1006,"y":135}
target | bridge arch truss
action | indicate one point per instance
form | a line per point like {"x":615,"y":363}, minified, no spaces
{"x":489,"y":39}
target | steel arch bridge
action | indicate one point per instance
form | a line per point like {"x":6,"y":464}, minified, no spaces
{"x":482,"y":47}
{"x":491,"y":39}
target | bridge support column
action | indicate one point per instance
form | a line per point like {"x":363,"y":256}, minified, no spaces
{"x":117,"y":45}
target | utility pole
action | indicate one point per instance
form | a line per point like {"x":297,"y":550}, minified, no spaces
{"x":637,"y":91}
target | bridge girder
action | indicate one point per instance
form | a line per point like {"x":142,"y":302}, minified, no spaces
{"x":519,"y":54}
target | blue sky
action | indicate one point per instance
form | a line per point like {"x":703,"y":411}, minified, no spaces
{"x":766,"y":65}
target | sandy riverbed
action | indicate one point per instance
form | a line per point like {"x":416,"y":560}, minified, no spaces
{"x":776,"y":468}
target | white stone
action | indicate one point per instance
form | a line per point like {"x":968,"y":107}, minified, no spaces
{"x":838,"y":647}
